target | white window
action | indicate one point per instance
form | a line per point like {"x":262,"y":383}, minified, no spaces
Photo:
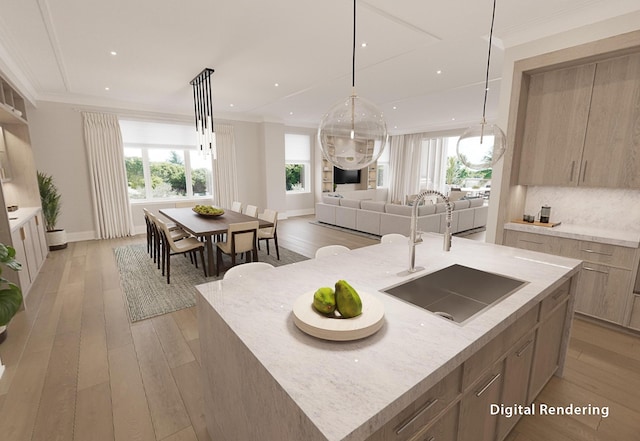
{"x":383,"y":168}
{"x":297,"y":158}
{"x":163,"y":161}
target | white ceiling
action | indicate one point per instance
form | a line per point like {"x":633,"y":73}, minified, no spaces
{"x":60,"y":51}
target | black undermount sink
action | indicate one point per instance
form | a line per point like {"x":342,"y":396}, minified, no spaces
{"x":456,"y":292}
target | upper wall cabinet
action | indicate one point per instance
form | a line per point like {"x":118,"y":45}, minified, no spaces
{"x":612,"y":146}
{"x":582,"y":126}
{"x":12,"y":106}
{"x":555,"y":126}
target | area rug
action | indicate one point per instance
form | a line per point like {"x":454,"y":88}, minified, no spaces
{"x":147,"y":292}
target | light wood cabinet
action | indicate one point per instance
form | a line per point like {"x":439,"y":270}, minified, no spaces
{"x":603,"y":292}
{"x":546,"y":358}
{"x":556,"y":121}
{"x":327,"y":176}
{"x":476,"y":422}
{"x":635,"y":313}
{"x":26,"y":242}
{"x":612,"y":142}
{"x":582,"y":126}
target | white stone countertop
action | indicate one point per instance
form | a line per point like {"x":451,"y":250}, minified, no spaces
{"x":623,"y":238}
{"x":19,"y":217}
{"x":350,"y":389}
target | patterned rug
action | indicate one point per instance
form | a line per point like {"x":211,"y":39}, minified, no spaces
{"x":147,"y":292}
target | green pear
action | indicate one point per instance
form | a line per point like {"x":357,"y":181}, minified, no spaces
{"x":348,"y":302}
{"x":324,"y":300}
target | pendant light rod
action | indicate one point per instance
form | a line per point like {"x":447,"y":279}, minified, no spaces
{"x":486,"y":81}
{"x":353,"y":53}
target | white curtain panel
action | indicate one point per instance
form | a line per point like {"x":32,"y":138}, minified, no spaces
{"x":111,"y":208}
{"x":225,"y":173}
{"x":404,"y":162}
{"x":434,"y":156}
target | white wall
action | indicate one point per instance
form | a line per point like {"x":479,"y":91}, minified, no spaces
{"x":58,"y":144}
{"x":582,"y":201}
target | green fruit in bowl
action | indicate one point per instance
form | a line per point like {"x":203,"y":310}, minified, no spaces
{"x":348,"y":302}
{"x":324,"y":300}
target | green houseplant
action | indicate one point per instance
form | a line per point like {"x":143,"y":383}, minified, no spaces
{"x":10,"y":293}
{"x":50,"y":200}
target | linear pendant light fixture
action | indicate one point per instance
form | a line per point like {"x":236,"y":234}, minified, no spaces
{"x":482,"y":145}
{"x":203,"y":109}
{"x":353,"y":133}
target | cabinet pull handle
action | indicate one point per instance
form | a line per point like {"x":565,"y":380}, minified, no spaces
{"x":531,"y":241}
{"x":23,"y":235}
{"x":37,"y":221}
{"x":523,"y":348}
{"x":486,"y":386}
{"x":432,"y":438}
{"x":573,"y":166}
{"x":588,"y":250}
{"x":584,"y":172}
{"x":588,"y":268}
{"x":425,"y":407}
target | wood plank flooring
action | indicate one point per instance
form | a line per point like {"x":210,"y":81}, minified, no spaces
{"x":76,"y":369}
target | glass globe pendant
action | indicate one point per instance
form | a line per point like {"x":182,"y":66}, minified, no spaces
{"x":353,"y":133}
{"x":481,"y":146}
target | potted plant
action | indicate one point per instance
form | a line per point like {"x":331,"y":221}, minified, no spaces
{"x":10,"y":293}
{"x":50,"y":199}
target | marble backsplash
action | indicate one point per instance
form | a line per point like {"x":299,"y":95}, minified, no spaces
{"x":596,"y":207}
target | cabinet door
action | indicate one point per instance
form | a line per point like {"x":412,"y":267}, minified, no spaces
{"x":476,"y":422}
{"x":18,"y":238}
{"x":445,"y":429}
{"x":528,"y":241}
{"x":517,"y":368}
{"x":611,"y":148}
{"x":555,"y":126}
{"x":547,"y":350}
{"x":603,"y":292}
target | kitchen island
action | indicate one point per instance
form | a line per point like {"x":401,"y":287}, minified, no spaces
{"x":265,"y":379}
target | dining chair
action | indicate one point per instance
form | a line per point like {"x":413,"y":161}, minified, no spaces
{"x":241,"y":238}
{"x":246,"y":268}
{"x":173,"y":247}
{"x":394,"y":238}
{"x":268,"y":233}
{"x":236,"y":206}
{"x":331,"y":250}
{"x":150,"y":231}
{"x":251,"y":210}
{"x":176,"y":233}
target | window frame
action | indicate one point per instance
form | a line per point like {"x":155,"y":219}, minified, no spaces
{"x":307,"y":179}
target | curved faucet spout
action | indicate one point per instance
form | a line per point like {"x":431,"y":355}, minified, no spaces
{"x":414,"y":228}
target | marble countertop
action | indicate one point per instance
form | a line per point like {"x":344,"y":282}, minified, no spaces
{"x":350,"y":389}
{"x":624,"y":238}
{"x":19,"y":217}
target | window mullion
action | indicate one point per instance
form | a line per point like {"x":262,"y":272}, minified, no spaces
{"x":147,"y":173}
{"x":187,"y":172}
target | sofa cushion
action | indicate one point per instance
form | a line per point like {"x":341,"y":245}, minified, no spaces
{"x":425,"y":210}
{"x":350,"y":203}
{"x":331,"y":200}
{"x":441,"y":207}
{"x":373,"y":206}
{"x":461,"y":205}
{"x":477,"y":202}
{"x":403,"y":210}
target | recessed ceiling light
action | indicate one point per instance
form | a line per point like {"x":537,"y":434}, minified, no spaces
{"x":106,"y":88}
{"x":113,"y":53}
{"x":395,"y":107}
{"x":395,"y":127}
{"x":290,"y":113}
{"x":438,"y":71}
{"x":453,"y":119}
{"x":277,"y":84}
{"x":231,"y":105}
{"x":364,"y":44}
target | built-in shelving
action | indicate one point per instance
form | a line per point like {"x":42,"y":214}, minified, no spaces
{"x":12,"y":105}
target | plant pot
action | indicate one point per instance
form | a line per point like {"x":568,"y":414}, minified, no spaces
{"x":56,"y":239}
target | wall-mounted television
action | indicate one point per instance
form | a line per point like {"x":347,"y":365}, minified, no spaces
{"x":341,"y":176}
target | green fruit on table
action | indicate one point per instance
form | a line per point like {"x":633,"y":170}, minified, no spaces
{"x":348,"y":302}
{"x":324,"y":300}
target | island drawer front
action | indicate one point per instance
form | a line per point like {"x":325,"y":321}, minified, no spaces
{"x":554,"y":299}
{"x":478,"y":363}
{"x":421,"y":412}
{"x":605,"y":253}
{"x":445,"y":428}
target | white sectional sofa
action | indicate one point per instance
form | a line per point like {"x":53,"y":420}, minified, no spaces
{"x":380,"y":218}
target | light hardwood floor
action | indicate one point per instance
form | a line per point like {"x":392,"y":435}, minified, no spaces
{"x":76,"y":369}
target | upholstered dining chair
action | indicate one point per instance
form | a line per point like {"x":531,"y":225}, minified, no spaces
{"x":175,"y":232}
{"x":236,"y":206}
{"x":245,"y":269}
{"x":173,"y":247}
{"x":394,"y":238}
{"x":331,"y":250}
{"x":242,"y":237}
{"x":268,"y":233}
{"x":251,"y":210}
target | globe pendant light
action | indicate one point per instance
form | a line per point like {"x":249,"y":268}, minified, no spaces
{"x":482,"y":145}
{"x":353,"y":133}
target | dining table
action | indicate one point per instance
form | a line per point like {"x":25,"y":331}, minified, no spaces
{"x":208,"y":227}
